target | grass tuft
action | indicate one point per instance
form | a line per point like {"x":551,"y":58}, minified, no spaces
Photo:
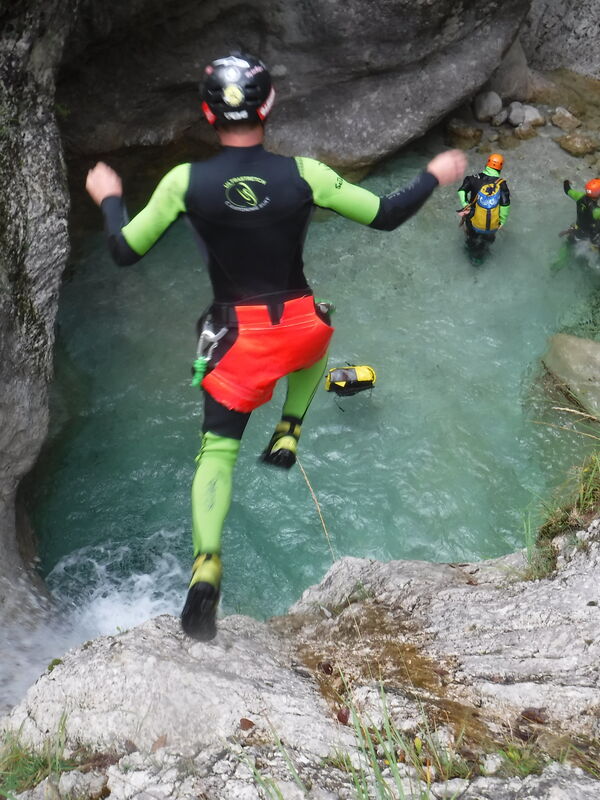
{"x":22,"y":767}
{"x":572,"y":508}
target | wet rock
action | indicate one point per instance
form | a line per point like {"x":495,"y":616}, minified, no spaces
{"x":516,"y":114}
{"x":399,"y":70}
{"x":500,"y":118}
{"x":486,"y":105}
{"x":525,"y":131}
{"x":577,"y":144}
{"x":575,"y":363}
{"x":563,"y":119}
{"x":533,"y":117}
{"x":33,"y":251}
{"x":461,"y":134}
{"x":120,"y":688}
{"x":563,"y":34}
{"x":512,"y":80}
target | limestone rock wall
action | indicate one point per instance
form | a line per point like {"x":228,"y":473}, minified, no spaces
{"x":354,"y":83}
{"x":564,"y":33}
{"x":33,"y":250}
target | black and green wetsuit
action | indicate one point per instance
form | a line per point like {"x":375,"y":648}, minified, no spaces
{"x":249,"y":210}
{"x":587,"y":225}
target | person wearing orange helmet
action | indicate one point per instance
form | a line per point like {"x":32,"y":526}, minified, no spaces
{"x":587,"y":224}
{"x":485,"y":206}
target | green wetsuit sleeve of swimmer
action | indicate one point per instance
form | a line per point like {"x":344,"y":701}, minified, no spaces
{"x":577,"y":196}
{"x":129,"y":241}
{"x":330,"y":190}
{"x":572,"y":193}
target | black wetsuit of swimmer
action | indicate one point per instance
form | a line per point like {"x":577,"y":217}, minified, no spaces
{"x":250,"y":210}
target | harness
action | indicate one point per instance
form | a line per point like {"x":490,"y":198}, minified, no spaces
{"x":207,"y":341}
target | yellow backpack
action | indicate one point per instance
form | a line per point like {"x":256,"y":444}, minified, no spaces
{"x":486,"y":204}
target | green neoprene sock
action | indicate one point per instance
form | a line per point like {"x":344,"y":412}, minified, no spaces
{"x":211,"y":491}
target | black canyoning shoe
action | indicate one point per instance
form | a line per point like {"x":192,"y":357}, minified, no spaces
{"x":281,"y":450}
{"x":198,"y":618}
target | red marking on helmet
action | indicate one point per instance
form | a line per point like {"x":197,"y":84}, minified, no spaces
{"x":208,"y":113}
{"x":264,"y":110}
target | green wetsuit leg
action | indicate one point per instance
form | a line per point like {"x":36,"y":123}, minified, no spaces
{"x":211,"y":491}
{"x":302,"y":386}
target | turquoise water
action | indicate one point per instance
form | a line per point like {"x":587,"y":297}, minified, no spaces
{"x":443,"y":461}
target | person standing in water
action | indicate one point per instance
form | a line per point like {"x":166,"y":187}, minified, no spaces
{"x":485,"y":206}
{"x":587,"y":224}
{"x":251,"y":209}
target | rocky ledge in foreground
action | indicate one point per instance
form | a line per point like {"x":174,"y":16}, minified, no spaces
{"x":453,"y":681}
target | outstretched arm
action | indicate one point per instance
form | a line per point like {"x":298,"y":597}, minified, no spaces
{"x":573,"y":193}
{"x":329,"y":190}
{"x":129,"y":241}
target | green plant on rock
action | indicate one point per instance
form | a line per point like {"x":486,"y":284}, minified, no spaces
{"x":541,"y":556}
{"x":522,"y":760}
{"x":573,"y":507}
{"x":388,"y":759}
{"x":22,"y":767}
{"x":583,"y":500}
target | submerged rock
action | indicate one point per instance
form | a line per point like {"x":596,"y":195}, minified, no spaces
{"x":532,"y":116}
{"x":525,"y":131}
{"x":462,"y":134}
{"x":577,"y":144}
{"x":575,"y":363}
{"x":563,"y":119}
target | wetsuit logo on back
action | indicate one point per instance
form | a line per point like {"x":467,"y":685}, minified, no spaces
{"x":246,"y":193}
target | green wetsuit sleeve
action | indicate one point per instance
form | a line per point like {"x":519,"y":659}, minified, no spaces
{"x":504,"y":213}
{"x":596,"y":213}
{"x":575,"y":195}
{"x":329,"y":190}
{"x":385,"y":213}
{"x":462,"y":197}
{"x":165,"y":205}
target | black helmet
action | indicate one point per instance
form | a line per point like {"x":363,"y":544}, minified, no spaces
{"x":236,"y":88}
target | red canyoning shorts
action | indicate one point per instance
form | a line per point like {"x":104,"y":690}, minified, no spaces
{"x":264,"y":352}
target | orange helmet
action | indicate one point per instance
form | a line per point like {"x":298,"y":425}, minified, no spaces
{"x":592,"y":188}
{"x":495,"y":161}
